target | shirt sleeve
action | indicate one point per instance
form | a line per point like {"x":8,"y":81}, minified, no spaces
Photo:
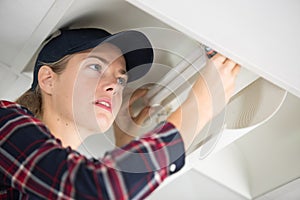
{"x":35,"y":163}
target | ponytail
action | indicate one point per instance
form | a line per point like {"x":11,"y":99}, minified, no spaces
{"x":32,"y":100}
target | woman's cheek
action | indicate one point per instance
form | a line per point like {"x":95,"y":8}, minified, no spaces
{"x":117,"y":102}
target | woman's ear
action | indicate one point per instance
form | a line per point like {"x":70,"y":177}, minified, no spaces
{"x":46,"y":78}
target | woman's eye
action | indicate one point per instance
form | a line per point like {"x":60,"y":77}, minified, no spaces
{"x":122,"y":81}
{"x":95,"y":67}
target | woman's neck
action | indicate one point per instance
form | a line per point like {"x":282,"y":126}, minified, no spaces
{"x":65,"y":130}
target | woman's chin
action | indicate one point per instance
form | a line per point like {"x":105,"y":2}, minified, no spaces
{"x":104,"y":123}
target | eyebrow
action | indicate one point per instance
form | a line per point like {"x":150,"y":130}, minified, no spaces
{"x":106,"y":62}
{"x":101,"y":59}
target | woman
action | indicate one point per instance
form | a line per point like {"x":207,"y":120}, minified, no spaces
{"x":77,"y":90}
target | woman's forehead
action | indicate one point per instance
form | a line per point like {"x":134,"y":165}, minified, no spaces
{"x":104,"y":52}
{"x":108,"y":51}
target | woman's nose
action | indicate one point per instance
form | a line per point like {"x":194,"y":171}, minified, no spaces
{"x":108,"y":83}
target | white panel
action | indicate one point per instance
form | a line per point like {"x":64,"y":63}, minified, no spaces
{"x":226,"y":167}
{"x":261,"y":161}
{"x":16,"y":88}
{"x":289,"y":191}
{"x":272,"y":150}
{"x":194,"y":186}
{"x":18,"y":20}
{"x":262,"y":36}
{"x":41,"y":31}
{"x":7,"y":78}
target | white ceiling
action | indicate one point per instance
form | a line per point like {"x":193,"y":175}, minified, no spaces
{"x":263,"y":160}
{"x":18,"y":23}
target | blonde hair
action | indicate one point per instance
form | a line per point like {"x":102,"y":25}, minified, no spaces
{"x":32,"y":99}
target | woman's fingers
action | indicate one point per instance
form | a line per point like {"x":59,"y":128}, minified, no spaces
{"x":228,"y":71}
{"x":137,"y":94}
{"x":144,"y":113}
{"x":142,"y":116}
{"x":236,"y":69}
{"x":229,"y":65}
{"x":218,"y":58}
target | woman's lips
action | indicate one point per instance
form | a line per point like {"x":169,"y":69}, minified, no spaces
{"x":104,"y":104}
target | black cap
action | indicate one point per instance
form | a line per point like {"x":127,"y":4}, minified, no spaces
{"x":135,"y":46}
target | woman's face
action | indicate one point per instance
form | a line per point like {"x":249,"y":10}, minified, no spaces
{"x":89,"y":91}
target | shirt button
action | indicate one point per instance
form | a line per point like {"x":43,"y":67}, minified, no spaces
{"x":172,"y":167}
{"x":156,"y":177}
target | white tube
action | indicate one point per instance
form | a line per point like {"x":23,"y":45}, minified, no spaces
{"x":179,"y":68}
{"x":178,"y":80}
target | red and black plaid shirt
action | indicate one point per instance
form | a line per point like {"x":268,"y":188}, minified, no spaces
{"x":34,"y":165}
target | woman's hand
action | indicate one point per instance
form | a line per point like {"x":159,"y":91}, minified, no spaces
{"x":208,"y":97}
{"x":127,"y":123}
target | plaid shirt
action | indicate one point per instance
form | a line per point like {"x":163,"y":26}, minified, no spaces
{"x":34,"y":165}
